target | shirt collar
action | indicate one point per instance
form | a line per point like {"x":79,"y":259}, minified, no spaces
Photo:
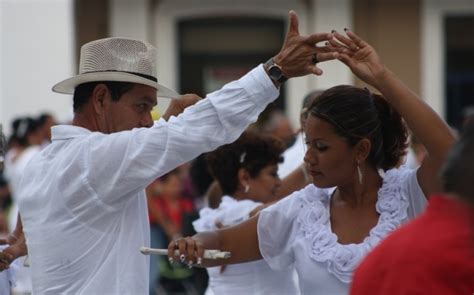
{"x":62,"y":132}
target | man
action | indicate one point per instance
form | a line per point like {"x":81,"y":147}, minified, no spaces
{"x":434,"y":253}
{"x":83,"y":204}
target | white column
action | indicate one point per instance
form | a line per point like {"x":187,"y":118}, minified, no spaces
{"x":37,"y":51}
{"x":129,"y":18}
{"x":327,"y":16}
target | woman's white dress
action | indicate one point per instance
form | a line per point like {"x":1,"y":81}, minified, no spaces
{"x":296,"y":232}
{"x":245,"y":278}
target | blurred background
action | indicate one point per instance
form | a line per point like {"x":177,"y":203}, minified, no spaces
{"x":203,"y":44}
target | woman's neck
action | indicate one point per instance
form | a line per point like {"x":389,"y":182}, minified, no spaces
{"x":356,"y":194}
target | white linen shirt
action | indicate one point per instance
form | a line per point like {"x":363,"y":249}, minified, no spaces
{"x":84,"y":209}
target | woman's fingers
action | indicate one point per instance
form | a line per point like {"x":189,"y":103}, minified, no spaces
{"x":348,"y":42}
{"x":191,"y":249}
{"x":189,"y":252}
{"x":356,"y":39}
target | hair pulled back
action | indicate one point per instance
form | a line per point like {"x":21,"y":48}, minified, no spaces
{"x":251,"y":151}
{"x":356,"y":113}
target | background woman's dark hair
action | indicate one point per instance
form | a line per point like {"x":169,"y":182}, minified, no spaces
{"x":458,"y":171}
{"x":357,"y":113}
{"x":251,"y":151}
{"x":22,"y":127}
{"x":84,"y":91}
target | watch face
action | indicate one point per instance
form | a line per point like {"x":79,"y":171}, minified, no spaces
{"x":275,"y":72}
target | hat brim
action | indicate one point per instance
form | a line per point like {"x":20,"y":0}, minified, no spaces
{"x":69,"y":85}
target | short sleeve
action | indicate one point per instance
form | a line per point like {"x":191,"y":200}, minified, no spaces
{"x":276,"y":231}
{"x":416,"y":198}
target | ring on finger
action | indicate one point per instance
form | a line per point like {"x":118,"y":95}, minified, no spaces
{"x":314,"y":59}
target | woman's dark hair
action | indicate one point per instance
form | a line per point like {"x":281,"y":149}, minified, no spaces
{"x":356,"y":113}
{"x":22,"y":127}
{"x":84,"y":91}
{"x":251,"y":151}
{"x":458,"y":171}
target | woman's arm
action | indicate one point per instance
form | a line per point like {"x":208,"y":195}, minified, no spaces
{"x":240,"y":240}
{"x":16,"y":248}
{"x":432,"y":131}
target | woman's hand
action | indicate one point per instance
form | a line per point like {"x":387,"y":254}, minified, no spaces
{"x":359,"y":56}
{"x":190,"y":250}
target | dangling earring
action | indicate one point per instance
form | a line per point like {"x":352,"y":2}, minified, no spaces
{"x":359,"y":172}
{"x":247,"y":187}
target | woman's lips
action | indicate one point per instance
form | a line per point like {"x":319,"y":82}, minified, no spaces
{"x":315,"y":173}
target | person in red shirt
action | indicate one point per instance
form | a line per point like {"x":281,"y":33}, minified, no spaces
{"x":434,"y":253}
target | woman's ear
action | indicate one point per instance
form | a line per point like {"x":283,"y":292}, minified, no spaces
{"x":243,"y":176}
{"x":362,"y":150}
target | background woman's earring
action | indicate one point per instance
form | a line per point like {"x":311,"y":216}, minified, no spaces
{"x":359,"y":172}
{"x":247,"y":187}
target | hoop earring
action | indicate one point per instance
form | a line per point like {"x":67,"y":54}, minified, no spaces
{"x":359,"y":172}
{"x":247,"y":188}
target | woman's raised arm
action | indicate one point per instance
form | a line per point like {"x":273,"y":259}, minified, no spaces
{"x":432,"y":131}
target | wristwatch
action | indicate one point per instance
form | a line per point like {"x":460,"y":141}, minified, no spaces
{"x":274,"y":71}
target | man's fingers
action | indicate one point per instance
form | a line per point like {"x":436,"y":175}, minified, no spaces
{"x":327,"y":56}
{"x":320,"y":37}
{"x":314,"y":69}
{"x":293,"y":26}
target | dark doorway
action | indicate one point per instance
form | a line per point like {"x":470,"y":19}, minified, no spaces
{"x":215,"y":51}
{"x":459,"y":68}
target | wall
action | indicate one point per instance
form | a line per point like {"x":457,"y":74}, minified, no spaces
{"x":37,"y":40}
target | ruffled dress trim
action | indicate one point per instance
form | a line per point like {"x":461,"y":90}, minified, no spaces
{"x":229,"y":212}
{"x":341,"y":260}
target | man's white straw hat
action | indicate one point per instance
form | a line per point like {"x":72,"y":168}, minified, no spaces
{"x":116,"y":59}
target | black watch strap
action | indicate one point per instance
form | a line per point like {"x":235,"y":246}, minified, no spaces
{"x":275,"y":72}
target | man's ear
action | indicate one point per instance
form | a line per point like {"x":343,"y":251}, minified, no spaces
{"x":99,"y":95}
{"x":362,"y":149}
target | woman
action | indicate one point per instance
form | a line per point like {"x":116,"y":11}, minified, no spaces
{"x":246,"y":171}
{"x":325,"y":229}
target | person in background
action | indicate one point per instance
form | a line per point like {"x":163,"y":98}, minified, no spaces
{"x":355,"y":141}
{"x":29,"y":138}
{"x":293,"y":156}
{"x":434,"y":253}
{"x":278,"y":125}
{"x":45,"y":122}
{"x":416,"y":153}
{"x":166,"y":209}
{"x":7,"y":278}
{"x":246,"y":170}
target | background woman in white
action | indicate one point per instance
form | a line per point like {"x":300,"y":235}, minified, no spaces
{"x":325,"y":229}
{"x":246,"y":170}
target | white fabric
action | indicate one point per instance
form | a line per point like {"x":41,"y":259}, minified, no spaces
{"x":244,"y":278}
{"x":8,"y":276}
{"x":293,"y":157}
{"x":297,"y":232}
{"x":14,"y":169}
{"x":84,"y":209}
